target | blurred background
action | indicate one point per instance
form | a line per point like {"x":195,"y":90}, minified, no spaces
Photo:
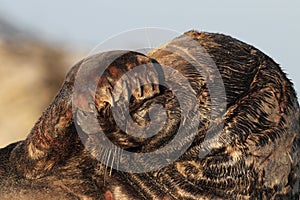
{"x":41,"y":40}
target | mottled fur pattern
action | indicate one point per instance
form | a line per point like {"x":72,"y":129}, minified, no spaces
{"x":255,"y":157}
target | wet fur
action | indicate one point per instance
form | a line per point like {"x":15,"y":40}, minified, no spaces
{"x":256,"y":157}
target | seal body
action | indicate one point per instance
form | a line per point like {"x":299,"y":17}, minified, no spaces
{"x":254,"y":156}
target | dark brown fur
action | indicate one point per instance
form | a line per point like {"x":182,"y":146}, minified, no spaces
{"x":256,"y":156}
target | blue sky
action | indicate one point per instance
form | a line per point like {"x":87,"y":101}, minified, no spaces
{"x":270,"y":25}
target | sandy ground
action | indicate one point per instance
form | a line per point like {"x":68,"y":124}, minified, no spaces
{"x":30,"y":76}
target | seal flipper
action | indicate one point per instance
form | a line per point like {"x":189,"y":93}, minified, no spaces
{"x":54,"y":135}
